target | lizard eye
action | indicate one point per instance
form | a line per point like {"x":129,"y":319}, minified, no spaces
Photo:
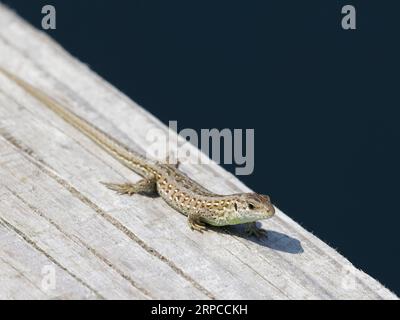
{"x":251,"y":206}
{"x":235,"y":206}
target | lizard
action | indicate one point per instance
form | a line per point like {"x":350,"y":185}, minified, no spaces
{"x":201,"y":206}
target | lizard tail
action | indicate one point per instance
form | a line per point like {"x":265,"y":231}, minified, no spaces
{"x":129,"y":158}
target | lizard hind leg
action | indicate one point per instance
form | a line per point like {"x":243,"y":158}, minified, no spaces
{"x":195,"y":223}
{"x":172,"y":161}
{"x":144,"y":186}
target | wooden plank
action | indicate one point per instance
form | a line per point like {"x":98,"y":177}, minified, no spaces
{"x":77,"y":236}
{"x":111,"y":246}
{"x":23,"y":271}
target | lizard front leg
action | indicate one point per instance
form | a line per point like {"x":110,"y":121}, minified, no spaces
{"x":252,"y":230}
{"x":144,"y":186}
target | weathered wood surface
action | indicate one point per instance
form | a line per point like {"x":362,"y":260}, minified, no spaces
{"x":55,"y":214}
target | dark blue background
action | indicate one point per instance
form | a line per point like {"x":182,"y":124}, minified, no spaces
{"x":323,"y":101}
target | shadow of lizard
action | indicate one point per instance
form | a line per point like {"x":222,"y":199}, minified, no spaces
{"x":274,"y":240}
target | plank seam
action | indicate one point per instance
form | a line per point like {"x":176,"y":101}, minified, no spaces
{"x":80,"y":241}
{"x":34,"y":245}
{"x":41,"y":165}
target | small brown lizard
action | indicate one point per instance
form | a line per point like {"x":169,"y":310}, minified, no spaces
{"x":200,"y":205}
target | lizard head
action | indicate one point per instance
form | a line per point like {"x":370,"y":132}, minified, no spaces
{"x":250,"y":207}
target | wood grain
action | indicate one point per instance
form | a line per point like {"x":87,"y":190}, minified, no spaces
{"x":54,"y":212}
